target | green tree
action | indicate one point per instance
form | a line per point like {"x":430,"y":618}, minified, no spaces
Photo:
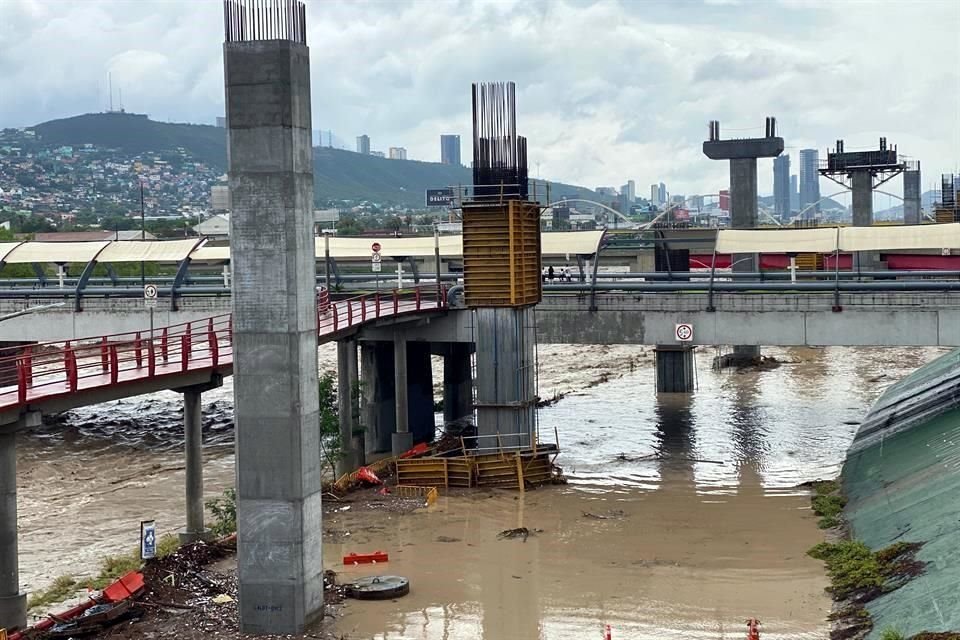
{"x":330,"y":442}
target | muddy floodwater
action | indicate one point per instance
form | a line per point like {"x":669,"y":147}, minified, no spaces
{"x":681,"y":518}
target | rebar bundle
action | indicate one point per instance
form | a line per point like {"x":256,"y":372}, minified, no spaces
{"x":246,"y":20}
{"x":499,"y":154}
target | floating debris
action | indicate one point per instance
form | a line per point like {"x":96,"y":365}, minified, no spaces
{"x":519,"y":532}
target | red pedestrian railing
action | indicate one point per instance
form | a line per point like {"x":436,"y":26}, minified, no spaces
{"x":55,"y":369}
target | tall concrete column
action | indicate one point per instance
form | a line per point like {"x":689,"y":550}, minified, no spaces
{"x":279,"y":512}
{"x":13,"y":603}
{"x":506,"y":397}
{"x":744,"y":215}
{"x":346,"y":403}
{"x":378,"y":409}
{"x":402,"y":439}
{"x":861,"y":183}
{"x":911,"y":196}
{"x":675,"y":370}
{"x":193,"y":446}
{"x":457,"y":383}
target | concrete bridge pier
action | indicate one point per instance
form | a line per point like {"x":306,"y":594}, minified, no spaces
{"x":13,"y":602}
{"x":457,"y":383}
{"x":351,"y":443}
{"x":378,"y":408}
{"x":675,"y":369}
{"x":401,"y":440}
{"x":193,"y":454}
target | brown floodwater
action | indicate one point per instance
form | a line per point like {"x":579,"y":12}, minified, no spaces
{"x":705,"y":524}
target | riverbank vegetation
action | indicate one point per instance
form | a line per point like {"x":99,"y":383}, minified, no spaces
{"x":111,"y":568}
{"x":857,"y":574}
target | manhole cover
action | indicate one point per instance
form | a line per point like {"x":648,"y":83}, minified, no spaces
{"x":378,"y":588}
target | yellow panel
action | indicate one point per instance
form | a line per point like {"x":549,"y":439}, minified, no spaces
{"x":501,"y":254}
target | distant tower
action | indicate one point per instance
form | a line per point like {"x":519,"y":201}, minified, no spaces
{"x":363,"y":144}
{"x":781,"y":186}
{"x":809,"y":181}
{"x":279,"y":555}
{"x":450,"y":149}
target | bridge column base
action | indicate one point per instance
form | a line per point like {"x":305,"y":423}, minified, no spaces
{"x":378,"y":410}
{"x":457,"y":384}
{"x":675,"y":369}
{"x":13,"y":603}
{"x":351,"y":456}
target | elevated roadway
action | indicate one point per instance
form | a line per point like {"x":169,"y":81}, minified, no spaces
{"x":897,"y":313}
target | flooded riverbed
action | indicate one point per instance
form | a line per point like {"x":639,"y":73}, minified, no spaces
{"x":707,"y":528}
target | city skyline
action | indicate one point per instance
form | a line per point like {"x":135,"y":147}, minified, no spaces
{"x":740,"y":62}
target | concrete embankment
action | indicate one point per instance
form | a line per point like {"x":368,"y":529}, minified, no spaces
{"x":902,"y":481}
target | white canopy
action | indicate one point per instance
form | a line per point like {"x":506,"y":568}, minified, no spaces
{"x":820,"y":240}
{"x":830,"y":239}
{"x":44,"y":252}
{"x":923,"y":236}
{"x":148,"y":251}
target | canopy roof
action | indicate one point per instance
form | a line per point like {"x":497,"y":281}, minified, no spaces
{"x":830,"y":239}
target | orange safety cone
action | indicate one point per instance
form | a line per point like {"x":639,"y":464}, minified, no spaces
{"x":753,"y":629}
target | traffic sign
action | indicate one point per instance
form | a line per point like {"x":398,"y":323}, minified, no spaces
{"x":375,"y":266}
{"x":375,"y":247}
{"x":150,"y":295}
{"x":684,"y":332}
{"x":148,"y":539}
{"x":375,"y":258}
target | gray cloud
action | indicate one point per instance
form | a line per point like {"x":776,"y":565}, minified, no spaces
{"x":607,"y":90}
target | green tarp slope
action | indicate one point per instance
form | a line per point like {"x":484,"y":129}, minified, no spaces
{"x":902,"y":482}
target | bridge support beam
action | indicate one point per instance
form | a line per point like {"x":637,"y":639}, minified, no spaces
{"x":378,"y":406}
{"x":675,"y":369}
{"x":193,"y":444}
{"x":351,"y":448}
{"x":402,"y":439}
{"x":506,"y":396}
{"x":457,"y":384}
{"x":13,"y":602}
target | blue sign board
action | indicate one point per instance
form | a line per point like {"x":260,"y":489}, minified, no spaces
{"x":148,"y":540}
{"x":440,"y":197}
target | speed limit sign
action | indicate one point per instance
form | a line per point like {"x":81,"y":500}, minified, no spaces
{"x":684,"y":332}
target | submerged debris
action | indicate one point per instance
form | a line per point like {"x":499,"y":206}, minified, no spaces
{"x":613,"y":514}
{"x":519,"y":532}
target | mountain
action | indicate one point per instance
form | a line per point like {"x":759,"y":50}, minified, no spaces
{"x":338,"y":174}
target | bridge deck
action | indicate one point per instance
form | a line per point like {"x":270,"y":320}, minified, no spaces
{"x":75,"y":373}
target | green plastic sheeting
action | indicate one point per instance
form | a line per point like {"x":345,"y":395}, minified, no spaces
{"x":902,"y":482}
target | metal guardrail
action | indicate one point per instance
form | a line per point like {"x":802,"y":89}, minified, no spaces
{"x":51,"y":369}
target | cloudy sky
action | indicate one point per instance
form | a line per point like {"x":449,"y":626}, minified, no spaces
{"x":608,"y":90}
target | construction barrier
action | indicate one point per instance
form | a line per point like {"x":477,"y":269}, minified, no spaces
{"x":365,"y":558}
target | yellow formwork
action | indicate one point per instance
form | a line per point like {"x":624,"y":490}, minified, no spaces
{"x":810,"y":261}
{"x":501,"y":253}
{"x":430,"y":494}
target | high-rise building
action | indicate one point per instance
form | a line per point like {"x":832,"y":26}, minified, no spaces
{"x":794,"y":193}
{"x":781,"y":186}
{"x":398,"y":153}
{"x":222,"y":122}
{"x":363,"y":144}
{"x":450,"y":149}
{"x":809,"y":181}
{"x":631,"y":190}
{"x":662,"y":195}
{"x":677,"y":199}
{"x":654,"y":194}
{"x":378,"y":154}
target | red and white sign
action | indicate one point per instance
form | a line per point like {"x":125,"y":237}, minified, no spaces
{"x":375,"y":247}
{"x":684,"y":332}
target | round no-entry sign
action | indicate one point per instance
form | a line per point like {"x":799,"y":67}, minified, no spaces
{"x":684,"y":332}
{"x":375,"y":247}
